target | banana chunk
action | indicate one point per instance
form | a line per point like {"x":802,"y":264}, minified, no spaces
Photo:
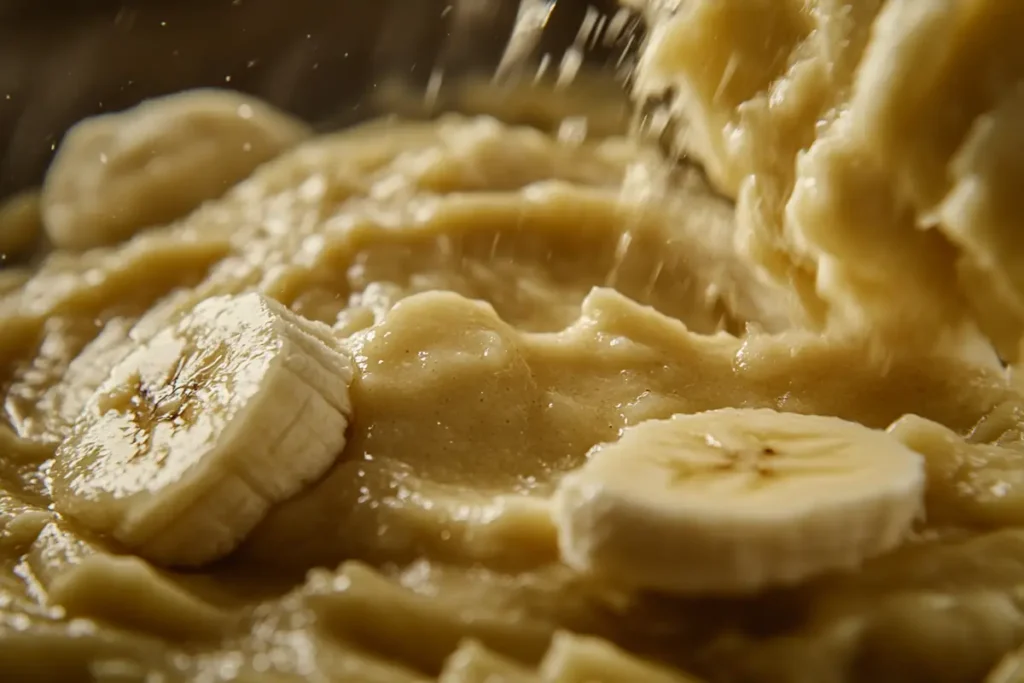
{"x":733,"y":500}
{"x":118,"y":173}
{"x":194,"y":435}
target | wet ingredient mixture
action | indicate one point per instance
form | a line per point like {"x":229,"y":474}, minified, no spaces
{"x":459,"y":401}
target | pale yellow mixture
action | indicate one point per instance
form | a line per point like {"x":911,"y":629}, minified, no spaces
{"x":802,"y":109}
{"x":488,"y":303}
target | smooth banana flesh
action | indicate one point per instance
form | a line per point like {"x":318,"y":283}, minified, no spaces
{"x":733,"y":501}
{"x":181,"y":451}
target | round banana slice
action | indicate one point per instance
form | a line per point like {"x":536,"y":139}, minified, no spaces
{"x":734,"y":500}
{"x":118,"y":173}
{"x":195,"y":434}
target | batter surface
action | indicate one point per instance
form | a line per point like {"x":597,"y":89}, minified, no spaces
{"x":484,"y":311}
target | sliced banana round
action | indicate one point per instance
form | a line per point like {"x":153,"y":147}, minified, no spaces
{"x":117,"y":173}
{"x":194,"y":435}
{"x":735,"y":500}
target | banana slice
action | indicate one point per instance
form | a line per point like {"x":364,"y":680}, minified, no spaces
{"x":734,"y":500}
{"x":118,"y":173}
{"x":195,"y":434}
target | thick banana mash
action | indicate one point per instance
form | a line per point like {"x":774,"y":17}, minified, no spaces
{"x":465,"y":402}
{"x":801,"y":110}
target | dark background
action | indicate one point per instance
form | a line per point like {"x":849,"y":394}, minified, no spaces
{"x":62,"y":60}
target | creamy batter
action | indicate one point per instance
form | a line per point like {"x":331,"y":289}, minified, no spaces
{"x":800,"y":110}
{"x":509,"y":300}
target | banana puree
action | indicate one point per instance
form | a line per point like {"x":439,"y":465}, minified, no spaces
{"x":461,"y":401}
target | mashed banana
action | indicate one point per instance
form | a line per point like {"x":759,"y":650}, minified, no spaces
{"x":804,"y":110}
{"x":510,"y":300}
